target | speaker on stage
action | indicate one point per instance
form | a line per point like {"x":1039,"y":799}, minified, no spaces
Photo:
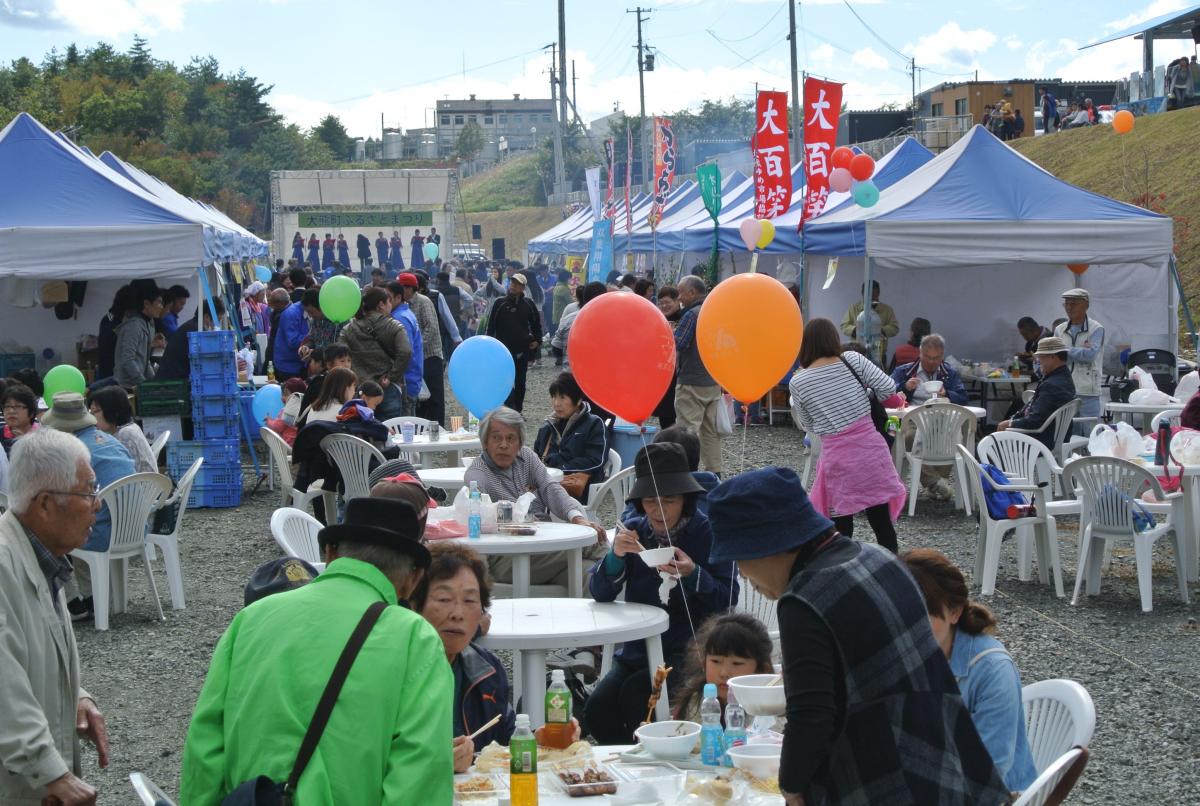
{"x":497,"y":249}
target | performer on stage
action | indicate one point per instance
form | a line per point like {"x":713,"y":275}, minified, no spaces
{"x":343,"y":251}
{"x":298,"y":248}
{"x":381,"y":249}
{"x":418,"y":257}
{"x":327,"y":258}
{"x":314,"y":250}
{"x":397,"y":245}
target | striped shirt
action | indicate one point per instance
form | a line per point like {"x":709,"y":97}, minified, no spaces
{"x":826,"y":399}
{"x":525,"y":474}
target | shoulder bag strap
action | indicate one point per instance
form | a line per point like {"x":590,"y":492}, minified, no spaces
{"x":334,"y":687}
{"x":870,"y":392}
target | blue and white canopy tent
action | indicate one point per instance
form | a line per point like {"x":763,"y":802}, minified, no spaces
{"x":980,"y":236}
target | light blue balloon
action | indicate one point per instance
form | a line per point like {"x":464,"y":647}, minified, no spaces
{"x":430,"y":250}
{"x":263,"y":274}
{"x":865,"y":193}
{"x":268,"y":402}
{"x":482,"y":374}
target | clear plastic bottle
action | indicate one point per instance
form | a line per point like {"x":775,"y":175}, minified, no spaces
{"x":270,"y":372}
{"x":735,"y":726}
{"x":558,"y":729}
{"x":474,"y":513}
{"x":712,"y":739}
{"x":522,"y":778}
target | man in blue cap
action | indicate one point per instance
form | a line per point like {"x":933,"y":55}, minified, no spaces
{"x":873,"y":712}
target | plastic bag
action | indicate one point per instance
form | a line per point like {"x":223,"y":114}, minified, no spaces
{"x":1185,"y":447}
{"x":1145,"y":379}
{"x":1188,"y":385}
{"x":1122,"y":442}
{"x":1150,"y":397}
{"x":725,"y":415}
{"x":487,"y":509}
{"x":521,"y":507}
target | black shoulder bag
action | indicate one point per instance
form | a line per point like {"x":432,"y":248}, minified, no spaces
{"x":262,"y":791}
{"x":879,"y":415}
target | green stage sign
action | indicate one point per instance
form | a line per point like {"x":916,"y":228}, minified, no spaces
{"x":373,"y":219}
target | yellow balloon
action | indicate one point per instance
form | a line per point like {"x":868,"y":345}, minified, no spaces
{"x":768,"y":233}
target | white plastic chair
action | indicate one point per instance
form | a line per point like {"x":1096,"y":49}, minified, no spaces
{"x":1108,"y":486}
{"x":1170,"y":415}
{"x":991,"y":531}
{"x":1059,"y":715}
{"x":616,"y":486}
{"x":130,"y":501}
{"x":935,"y":431}
{"x":810,"y":462}
{"x":1025,"y":460}
{"x":1056,"y":781}
{"x":1059,"y":424}
{"x":148,"y":792}
{"x":420,"y":424}
{"x":295,"y":531}
{"x":168,"y":542}
{"x":280,"y":453}
{"x":157,"y":445}
{"x":755,"y":604}
{"x":3,"y":502}
{"x":353,"y":457}
{"x":613,"y":465}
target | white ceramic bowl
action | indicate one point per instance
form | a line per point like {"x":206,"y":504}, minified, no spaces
{"x":760,"y":760}
{"x":932,"y":386}
{"x":656,"y":557}
{"x":756,"y":697}
{"x":662,"y":741}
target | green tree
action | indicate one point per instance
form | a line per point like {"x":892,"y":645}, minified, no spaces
{"x":141,"y":62}
{"x":470,"y":142}
{"x":332,"y":133}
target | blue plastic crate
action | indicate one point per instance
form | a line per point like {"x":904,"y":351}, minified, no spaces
{"x":11,"y":362}
{"x":218,"y":452}
{"x":246,"y":398}
{"x":217,"y":497}
{"x":214,"y":365}
{"x":212,"y":406}
{"x":210,"y":475}
{"x":211,"y":341}
{"x":216,"y":428}
{"x":214,"y":385}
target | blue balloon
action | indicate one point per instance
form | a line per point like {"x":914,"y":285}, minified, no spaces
{"x":482,"y":373}
{"x":865,"y":193}
{"x":263,"y":274}
{"x":268,"y":402}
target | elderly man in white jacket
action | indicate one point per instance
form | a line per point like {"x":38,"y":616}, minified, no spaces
{"x":52,"y":506}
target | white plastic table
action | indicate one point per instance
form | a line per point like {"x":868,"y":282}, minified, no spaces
{"x":976,"y":410}
{"x":534,"y":626}
{"x":443,"y":444}
{"x":1125,"y":411}
{"x":451,"y":478}
{"x":570,"y":537}
{"x":1016,"y":382}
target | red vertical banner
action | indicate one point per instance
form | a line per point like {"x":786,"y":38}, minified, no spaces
{"x":664,"y":167}
{"x":609,"y":157}
{"x":822,"y":106}
{"x":628,"y":177}
{"x":772,"y":162}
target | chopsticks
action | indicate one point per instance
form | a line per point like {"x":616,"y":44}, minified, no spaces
{"x":486,"y":725}
{"x":774,"y":681}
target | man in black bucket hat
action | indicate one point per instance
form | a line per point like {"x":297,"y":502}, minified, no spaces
{"x":874,"y":714}
{"x":389,"y":734}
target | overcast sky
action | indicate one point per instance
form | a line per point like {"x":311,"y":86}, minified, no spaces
{"x":362,"y":58}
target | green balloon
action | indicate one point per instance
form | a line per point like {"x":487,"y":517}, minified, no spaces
{"x":340,"y":299}
{"x":63,"y":378}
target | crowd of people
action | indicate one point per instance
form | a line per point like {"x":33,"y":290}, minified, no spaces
{"x":930,"y":674}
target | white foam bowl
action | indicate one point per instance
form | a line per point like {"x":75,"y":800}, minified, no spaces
{"x":656,"y":557}
{"x":661,"y":741}
{"x":756,"y":697}
{"x":760,"y":760}
{"x":932,"y":386}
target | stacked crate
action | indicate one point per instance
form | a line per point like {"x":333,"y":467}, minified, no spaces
{"x":215,"y":423}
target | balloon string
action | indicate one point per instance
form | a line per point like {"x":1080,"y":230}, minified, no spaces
{"x":682,"y":593}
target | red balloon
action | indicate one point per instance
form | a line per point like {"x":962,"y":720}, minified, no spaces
{"x":862,"y":166}
{"x":622,"y":352}
{"x":841,"y":157}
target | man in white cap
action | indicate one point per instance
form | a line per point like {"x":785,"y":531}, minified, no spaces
{"x":1084,"y":338}
{"x":516,"y":322}
{"x":1055,"y":391}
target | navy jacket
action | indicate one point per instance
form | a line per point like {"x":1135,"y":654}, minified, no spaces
{"x":486,"y":694}
{"x":1055,"y":391}
{"x":707,"y":590}
{"x":579,"y":446}
{"x":952,"y":385}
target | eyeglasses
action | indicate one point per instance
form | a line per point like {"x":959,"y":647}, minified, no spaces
{"x":93,"y":495}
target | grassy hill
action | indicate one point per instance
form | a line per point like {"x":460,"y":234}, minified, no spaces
{"x":510,"y":184}
{"x":515,"y":226}
{"x":1153,"y":166}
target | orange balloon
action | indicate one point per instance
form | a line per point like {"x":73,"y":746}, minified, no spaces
{"x":1123,"y":122}
{"x":748,"y":334}
{"x":1078,"y":268}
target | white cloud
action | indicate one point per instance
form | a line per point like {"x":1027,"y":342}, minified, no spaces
{"x":103,"y":18}
{"x":951,"y":46}
{"x":1012,"y":43}
{"x":1115,"y":59}
{"x":822,"y":54}
{"x":1155,"y":9}
{"x":867,"y":57}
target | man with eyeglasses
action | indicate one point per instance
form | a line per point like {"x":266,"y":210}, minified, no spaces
{"x":52,"y":506}
{"x":110,"y":461}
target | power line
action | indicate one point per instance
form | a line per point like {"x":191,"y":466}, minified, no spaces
{"x":459,"y":72}
{"x":764,"y":27}
{"x":744,"y":59}
{"x":871,"y":30}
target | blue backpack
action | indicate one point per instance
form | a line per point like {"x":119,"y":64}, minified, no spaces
{"x":998,"y":501}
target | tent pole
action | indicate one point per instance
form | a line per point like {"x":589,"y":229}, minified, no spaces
{"x":870,"y":341}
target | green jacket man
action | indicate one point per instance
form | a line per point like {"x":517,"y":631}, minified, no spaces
{"x":389,"y":736}
{"x":888,"y":323}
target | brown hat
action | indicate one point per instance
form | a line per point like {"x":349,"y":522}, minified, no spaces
{"x":68,"y":413}
{"x":1051,"y":345}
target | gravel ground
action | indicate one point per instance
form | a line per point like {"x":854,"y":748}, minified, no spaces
{"x":1141,"y":669}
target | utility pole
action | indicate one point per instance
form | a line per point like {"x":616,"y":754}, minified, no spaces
{"x":560,"y":184}
{"x":641,"y":59}
{"x":562,"y":63}
{"x":913,"y":68}
{"x":574,"y":89}
{"x":797,"y":123}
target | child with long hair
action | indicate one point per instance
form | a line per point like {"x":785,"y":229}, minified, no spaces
{"x":726,"y":646}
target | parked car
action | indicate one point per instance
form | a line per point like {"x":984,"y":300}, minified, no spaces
{"x":469,"y":251}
